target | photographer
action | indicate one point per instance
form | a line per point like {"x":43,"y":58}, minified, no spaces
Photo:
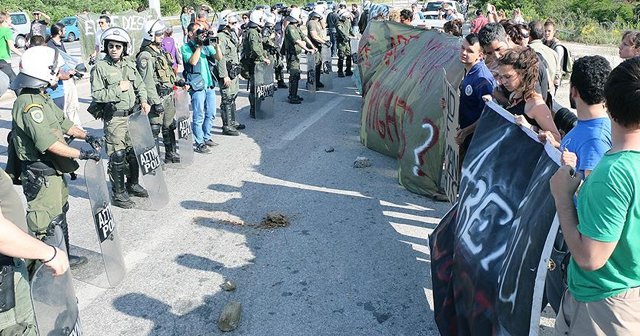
{"x":196,"y":55}
{"x":229,"y":72}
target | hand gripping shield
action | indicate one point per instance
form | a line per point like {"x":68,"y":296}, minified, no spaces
{"x":148,"y":158}
{"x":183,"y":127}
{"x":55,"y":305}
{"x":264,"y":89}
{"x":105,"y":224}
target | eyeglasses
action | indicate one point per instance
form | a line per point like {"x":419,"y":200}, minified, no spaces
{"x":102,"y":22}
{"x":232,"y":23}
{"x":114,"y":46}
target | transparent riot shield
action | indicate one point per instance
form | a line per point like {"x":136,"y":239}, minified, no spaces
{"x":355,"y":58}
{"x":183,"y":127}
{"x":264,"y":89}
{"x":104,"y":222}
{"x":54,"y":302}
{"x":353,"y":43}
{"x":149,"y":160}
{"x":311,"y":76}
{"x":326,"y":77}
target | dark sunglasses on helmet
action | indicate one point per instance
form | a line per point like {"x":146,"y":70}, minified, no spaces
{"x":114,"y":46}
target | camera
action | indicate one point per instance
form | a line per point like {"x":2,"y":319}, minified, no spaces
{"x":204,"y":37}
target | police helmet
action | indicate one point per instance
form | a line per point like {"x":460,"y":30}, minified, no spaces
{"x":38,"y":68}
{"x":153,"y":28}
{"x":257,"y":17}
{"x":117,"y":34}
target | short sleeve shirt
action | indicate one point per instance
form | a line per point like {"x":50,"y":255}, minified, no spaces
{"x":478,"y":82}
{"x":187,"y":52}
{"x":609,"y":211}
{"x":589,"y":140}
{"x":6,"y":35}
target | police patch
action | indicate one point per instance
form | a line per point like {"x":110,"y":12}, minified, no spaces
{"x":468,"y":90}
{"x":37,"y":115}
{"x":143,"y":62}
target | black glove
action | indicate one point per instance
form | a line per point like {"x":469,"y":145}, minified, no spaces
{"x":157,"y":108}
{"x":89,"y":154}
{"x":96,"y":142}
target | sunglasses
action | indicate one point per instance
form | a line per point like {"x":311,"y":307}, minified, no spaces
{"x":102,"y":22}
{"x":114,"y":46}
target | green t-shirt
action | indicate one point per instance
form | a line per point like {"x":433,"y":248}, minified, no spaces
{"x":6,"y":35}
{"x":609,"y":211}
{"x":205,"y":51}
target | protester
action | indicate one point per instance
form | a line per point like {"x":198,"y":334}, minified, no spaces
{"x":364,"y":17}
{"x":518,"y":33}
{"x":201,"y":87}
{"x":601,"y":231}
{"x":565,"y":62}
{"x":518,"y":72}
{"x":492,"y":13}
{"x":516,"y":17}
{"x":104,"y":23}
{"x":479,"y":22}
{"x":332,"y":28}
{"x":394,"y":15}
{"x":39,"y":24}
{"x":406,"y":17}
{"x":7,"y":45}
{"x":185,"y":19}
{"x":417,"y":14}
{"x":536,"y":34}
{"x":630,"y":45}
{"x":169,"y":46}
{"x":453,"y":27}
{"x":355,"y":12}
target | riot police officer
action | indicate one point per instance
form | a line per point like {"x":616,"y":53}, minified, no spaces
{"x":294,"y":43}
{"x":316,"y":34}
{"x":115,"y":87}
{"x":37,"y":141}
{"x":155,"y":68}
{"x":228,"y":71}
{"x":344,"y":40}
{"x":253,"y":52}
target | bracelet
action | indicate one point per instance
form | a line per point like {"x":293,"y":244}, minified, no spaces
{"x":55,"y":253}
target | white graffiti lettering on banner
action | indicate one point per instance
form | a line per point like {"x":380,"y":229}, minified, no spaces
{"x":104,"y":223}
{"x":149,"y":160}
{"x":77,"y":330}
{"x":427,"y":143}
{"x":126,"y":22}
{"x":264,"y":91}
{"x":486,"y":203}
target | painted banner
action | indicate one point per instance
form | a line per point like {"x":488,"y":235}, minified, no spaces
{"x":450,"y":175}
{"x":131,"y":21}
{"x":401,"y":71}
{"x":489,"y":262}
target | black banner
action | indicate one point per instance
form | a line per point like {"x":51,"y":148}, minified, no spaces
{"x":149,"y":160}
{"x":489,"y":275}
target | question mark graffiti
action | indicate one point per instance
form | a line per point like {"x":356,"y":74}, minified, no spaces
{"x":428,"y":143}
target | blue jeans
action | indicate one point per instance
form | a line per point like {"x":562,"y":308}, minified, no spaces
{"x":203,"y":104}
{"x":334,"y":46}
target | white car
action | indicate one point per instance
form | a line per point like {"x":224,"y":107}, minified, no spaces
{"x":431,"y":11}
{"x":21,"y":25}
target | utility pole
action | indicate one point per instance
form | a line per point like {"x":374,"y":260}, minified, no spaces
{"x":155,"y":6}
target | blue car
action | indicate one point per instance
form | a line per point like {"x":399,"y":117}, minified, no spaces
{"x":70,"y":29}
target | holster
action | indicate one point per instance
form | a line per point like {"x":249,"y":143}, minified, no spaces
{"x":163,"y":90}
{"x":7,"y":288}
{"x":36,"y":173}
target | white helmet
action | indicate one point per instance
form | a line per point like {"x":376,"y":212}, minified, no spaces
{"x":223,"y":18}
{"x":344,"y":13}
{"x":257,"y":17}
{"x":342,"y":4}
{"x":319,"y":10}
{"x":38,"y":68}
{"x":153,"y":27}
{"x":295,"y":14}
{"x":270,"y":20}
{"x":119,"y":35}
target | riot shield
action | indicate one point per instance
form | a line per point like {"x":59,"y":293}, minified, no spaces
{"x":311,"y":76}
{"x":326,"y":77}
{"x":144,"y":146}
{"x":353,"y":43}
{"x":54,"y":302}
{"x":183,"y":127}
{"x":105,"y":225}
{"x":264,"y":89}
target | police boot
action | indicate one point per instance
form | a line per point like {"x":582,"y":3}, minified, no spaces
{"x":318,"y":71}
{"x":169,"y":140}
{"x":233,"y":120}
{"x":225,"y":113}
{"x":340,"y":66}
{"x":117,"y":168}
{"x":280,"y":79}
{"x":293,"y":91}
{"x":133,"y":187}
{"x":74,"y":260}
{"x":348,"y":72}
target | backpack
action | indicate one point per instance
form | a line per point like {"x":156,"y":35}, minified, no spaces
{"x":567,"y":60}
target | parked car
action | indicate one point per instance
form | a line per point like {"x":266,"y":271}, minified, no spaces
{"x":71,"y":28}
{"x":21,"y":27}
{"x":431,"y":11}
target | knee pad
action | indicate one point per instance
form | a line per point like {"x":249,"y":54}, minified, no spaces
{"x":118,"y":157}
{"x":155,"y":129}
{"x":56,"y":221}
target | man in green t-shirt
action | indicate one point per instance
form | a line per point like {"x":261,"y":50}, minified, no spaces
{"x":603,"y":230}
{"x":7,"y":45}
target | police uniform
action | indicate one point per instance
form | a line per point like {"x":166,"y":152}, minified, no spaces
{"x":269,"y":44}
{"x":105,"y":80}
{"x":19,"y":319}
{"x":292,"y":34}
{"x":154,"y":65}
{"x":344,"y":46}
{"x":316,"y":25}
{"x":253,"y":51}
{"x":229,"y":67}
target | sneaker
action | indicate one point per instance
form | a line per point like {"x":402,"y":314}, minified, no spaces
{"x":202,"y":149}
{"x":210,"y":143}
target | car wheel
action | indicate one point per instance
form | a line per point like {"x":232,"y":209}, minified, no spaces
{"x":71,"y":37}
{"x":21,"y":41}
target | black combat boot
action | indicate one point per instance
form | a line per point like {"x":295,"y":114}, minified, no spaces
{"x":233,"y":120}
{"x":348,"y":72}
{"x":133,"y":186}
{"x":280,"y":79}
{"x":117,"y":168}
{"x":225,"y":113}
{"x":293,"y":91}
{"x":340,"y":66}
{"x":74,"y":260}
{"x":169,"y":140}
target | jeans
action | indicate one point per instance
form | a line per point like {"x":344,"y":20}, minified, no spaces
{"x":203,"y":103}
{"x":332,"y":37}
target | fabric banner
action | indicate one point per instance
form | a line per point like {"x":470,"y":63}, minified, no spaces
{"x":131,"y":21}
{"x":489,"y":263}
{"x":450,"y":178}
{"x":401,"y":72}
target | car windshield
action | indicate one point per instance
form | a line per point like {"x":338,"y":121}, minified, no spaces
{"x":18,"y":19}
{"x":434,"y":6}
